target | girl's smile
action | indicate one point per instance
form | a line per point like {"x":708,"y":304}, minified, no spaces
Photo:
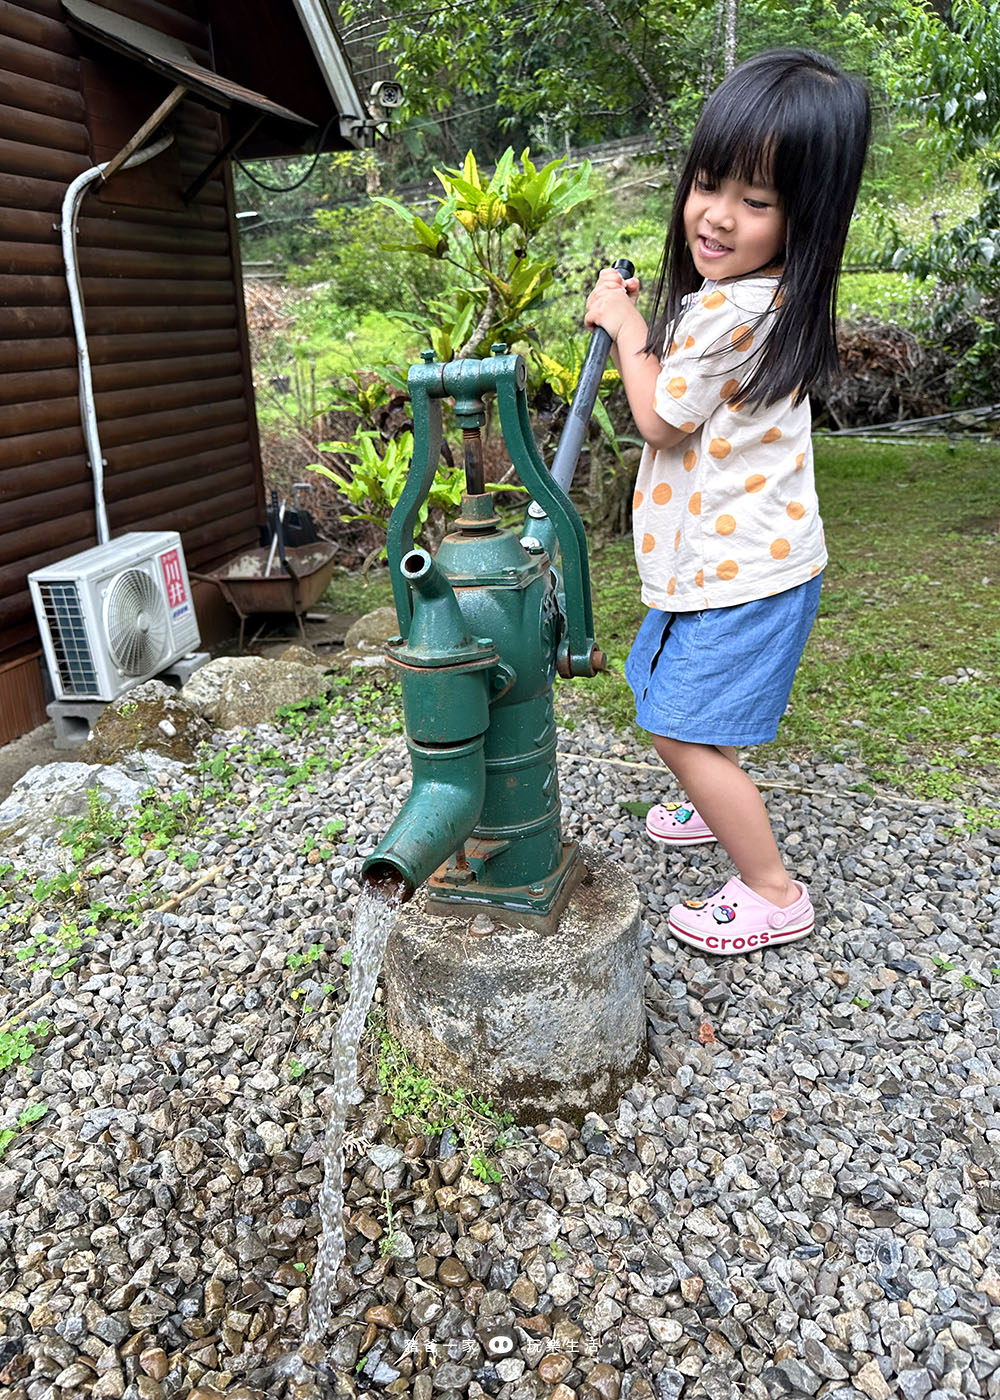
{"x":733,"y":228}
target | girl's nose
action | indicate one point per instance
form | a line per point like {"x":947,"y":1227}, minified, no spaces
{"x":720,"y":215}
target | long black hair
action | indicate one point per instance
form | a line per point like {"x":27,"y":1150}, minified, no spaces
{"x":792,"y":119}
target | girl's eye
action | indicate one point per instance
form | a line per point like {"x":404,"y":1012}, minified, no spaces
{"x":704,"y":186}
{"x":757,"y":203}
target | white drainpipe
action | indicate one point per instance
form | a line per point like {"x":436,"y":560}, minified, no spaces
{"x":88,"y":413}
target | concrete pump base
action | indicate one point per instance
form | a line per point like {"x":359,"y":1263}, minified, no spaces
{"x":544,"y":1025}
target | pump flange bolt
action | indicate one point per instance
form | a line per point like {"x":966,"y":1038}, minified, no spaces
{"x":499,"y":347}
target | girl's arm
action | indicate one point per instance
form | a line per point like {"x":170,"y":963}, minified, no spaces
{"x":611,"y":305}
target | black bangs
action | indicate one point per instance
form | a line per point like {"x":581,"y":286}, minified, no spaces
{"x":792,"y":120}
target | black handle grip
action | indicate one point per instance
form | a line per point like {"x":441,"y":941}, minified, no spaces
{"x":571,"y":441}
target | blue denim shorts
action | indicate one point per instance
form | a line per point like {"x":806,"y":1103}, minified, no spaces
{"x":723,"y":675}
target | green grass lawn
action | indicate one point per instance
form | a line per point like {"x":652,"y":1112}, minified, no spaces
{"x":911,"y":595}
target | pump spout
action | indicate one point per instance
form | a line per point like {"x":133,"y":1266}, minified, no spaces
{"x":440,"y":814}
{"x":445,"y":677}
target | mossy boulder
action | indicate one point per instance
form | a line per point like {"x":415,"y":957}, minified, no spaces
{"x":150,"y":718}
{"x":239,"y":692}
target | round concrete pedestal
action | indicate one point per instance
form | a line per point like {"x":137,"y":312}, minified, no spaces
{"x":544,"y":1025}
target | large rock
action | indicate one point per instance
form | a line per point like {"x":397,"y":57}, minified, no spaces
{"x":150,"y":718}
{"x":239,"y":692}
{"x":364,"y":644}
{"x":50,"y":795}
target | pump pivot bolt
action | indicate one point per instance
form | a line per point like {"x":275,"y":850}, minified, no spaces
{"x":427,"y":356}
{"x":499,"y":347}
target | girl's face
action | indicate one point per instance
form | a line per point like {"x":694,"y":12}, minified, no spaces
{"x":733,"y":228}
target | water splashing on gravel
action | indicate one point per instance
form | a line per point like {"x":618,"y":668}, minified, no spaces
{"x":373,"y":921}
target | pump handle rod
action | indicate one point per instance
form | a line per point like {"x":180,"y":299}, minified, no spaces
{"x":570,"y":442}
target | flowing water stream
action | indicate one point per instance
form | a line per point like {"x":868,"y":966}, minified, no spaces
{"x":373,"y":921}
{"x":374,"y":918}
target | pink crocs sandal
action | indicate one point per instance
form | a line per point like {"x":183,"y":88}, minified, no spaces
{"x":677,"y":824}
{"x":732,"y":919}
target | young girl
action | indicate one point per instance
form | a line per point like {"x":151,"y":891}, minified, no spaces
{"x":728,"y":538}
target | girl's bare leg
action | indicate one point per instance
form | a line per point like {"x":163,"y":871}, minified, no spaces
{"x":731,"y":805}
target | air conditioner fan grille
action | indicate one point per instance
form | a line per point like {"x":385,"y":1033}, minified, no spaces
{"x":136,"y":619}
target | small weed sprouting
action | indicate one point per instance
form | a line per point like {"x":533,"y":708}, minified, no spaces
{"x":30,"y":1115}
{"x":17,"y":1045}
{"x":483,"y":1169}
{"x":389,"y":1243}
{"x":862,"y":1001}
{"x":431,"y":1107}
{"x":96,"y":829}
{"x":942,"y":963}
{"x":377,"y":707}
{"x":312,"y":954}
{"x":296,"y":1069}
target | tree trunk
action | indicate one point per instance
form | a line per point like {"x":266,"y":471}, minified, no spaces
{"x":620,"y":43}
{"x":729,"y":51}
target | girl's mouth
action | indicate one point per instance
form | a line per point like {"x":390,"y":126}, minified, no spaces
{"x":709,"y":248}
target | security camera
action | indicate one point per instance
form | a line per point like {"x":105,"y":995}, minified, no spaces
{"x":386,"y":93}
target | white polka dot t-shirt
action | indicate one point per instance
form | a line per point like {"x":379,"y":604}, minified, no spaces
{"x":730,"y":514}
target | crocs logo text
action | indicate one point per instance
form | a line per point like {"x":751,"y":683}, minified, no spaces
{"x":752,"y":940}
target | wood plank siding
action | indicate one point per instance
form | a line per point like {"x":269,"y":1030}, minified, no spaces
{"x":164,"y":309}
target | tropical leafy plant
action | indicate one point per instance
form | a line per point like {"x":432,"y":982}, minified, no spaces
{"x":483,"y":229}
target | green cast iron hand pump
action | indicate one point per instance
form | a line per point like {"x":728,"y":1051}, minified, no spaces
{"x":484,"y":626}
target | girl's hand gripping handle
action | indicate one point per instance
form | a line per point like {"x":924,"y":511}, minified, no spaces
{"x":568,"y":451}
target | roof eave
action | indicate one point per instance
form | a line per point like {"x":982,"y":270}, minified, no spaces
{"x":354,"y":120}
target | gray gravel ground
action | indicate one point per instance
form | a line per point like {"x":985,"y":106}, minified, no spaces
{"x":799,"y":1199}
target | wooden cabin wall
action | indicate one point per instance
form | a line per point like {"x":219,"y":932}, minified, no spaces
{"x":164,"y":311}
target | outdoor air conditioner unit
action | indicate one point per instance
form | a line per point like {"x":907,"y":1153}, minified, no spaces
{"x":114,"y":615}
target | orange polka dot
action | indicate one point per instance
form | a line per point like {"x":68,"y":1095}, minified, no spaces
{"x":699,"y":579}
{"x":755,"y":482}
{"x":648,"y":544}
{"x":772,"y":435}
{"x":729,"y":388}
{"x":725,"y":525}
{"x":713,"y":300}
{"x":816,"y":569}
{"x":688,"y":427}
{"x":800,"y":461}
{"x":662,"y":493}
{"x":728,"y":569}
{"x":780,"y":549}
{"x":690,"y":458}
{"x":689,"y":343}
{"x":671,"y":586}
{"x":677,"y":386}
{"x":779,"y":299}
{"x":637,"y":500}
{"x":677,"y":540}
{"x":719,"y":448}
{"x":795,"y":509}
{"x":694,"y":504}
{"x":742,"y":337}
